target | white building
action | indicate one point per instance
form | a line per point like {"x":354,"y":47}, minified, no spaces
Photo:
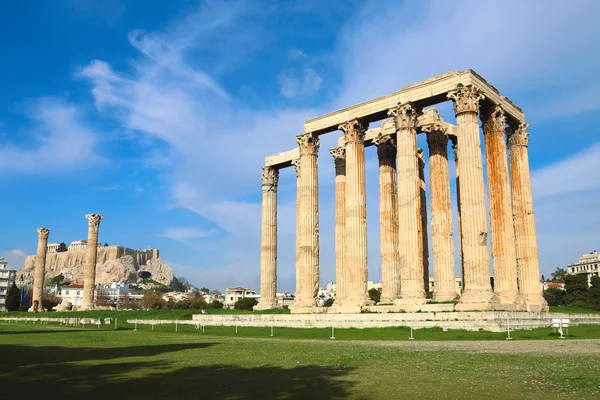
{"x":72,"y":294}
{"x":234,"y":294}
{"x":7,"y":278}
{"x":588,"y":265}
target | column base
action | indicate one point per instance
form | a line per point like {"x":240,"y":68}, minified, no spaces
{"x":509,"y":302}
{"x":534,"y":303}
{"x":444,"y":296}
{"x":477,"y":300}
{"x":410,"y":304}
{"x":265,"y":305}
{"x":345,"y":309}
{"x":309,"y":310}
{"x":387,"y":299}
{"x":304,"y":306}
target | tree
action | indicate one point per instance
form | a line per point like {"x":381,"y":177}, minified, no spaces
{"x":205,"y":290}
{"x":576,"y":287}
{"x":153,"y":300}
{"x":246,"y":303}
{"x":375,"y":295}
{"x":57,"y":280}
{"x":13,"y":298}
{"x":594,"y":291}
{"x":178,"y":285}
{"x":215,"y":292}
{"x":105,"y":244}
{"x":328,"y":302}
{"x":554,"y":296}
{"x":559,"y":275}
{"x":62,"y":248}
{"x":215,"y":304}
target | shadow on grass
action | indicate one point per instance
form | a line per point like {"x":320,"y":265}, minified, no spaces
{"x":28,"y":372}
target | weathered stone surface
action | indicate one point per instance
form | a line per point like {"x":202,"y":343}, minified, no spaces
{"x":64,"y":306}
{"x":160,"y":270}
{"x":122,"y":269}
{"x":40,"y":268}
{"x":268,"y":240}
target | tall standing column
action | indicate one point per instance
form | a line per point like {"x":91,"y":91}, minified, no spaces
{"x":441,"y":213}
{"x":40,"y":269}
{"x":89,"y":273}
{"x":356,"y":218}
{"x":307,"y":226}
{"x":411,"y":275}
{"x":454,"y":140}
{"x":422,"y":222}
{"x":339,"y":158}
{"x":501,"y":222}
{"x":524,"y":221}
{"x":388,"y":218}
{"x":477,"y":294}
{"x":268,"y":241}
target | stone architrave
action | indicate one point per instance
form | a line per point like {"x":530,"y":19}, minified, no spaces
{"x":307,"y":226}
{"x":40,"y":268}
{"x":477,"y":293}
{"x":89,"y":273}
{"x":501,"y":222}
{"x":412,"y":291}
{"x":356,"y":273}
{"x":339,"y":158}
{"x":528,"y":266}
{"x":388,"y":218}
{"x":441,"y":213}
{"x":422,"y":222}
{"x":268,"y":248}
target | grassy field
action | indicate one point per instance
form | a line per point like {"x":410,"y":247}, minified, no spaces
{"x":50,"y":361}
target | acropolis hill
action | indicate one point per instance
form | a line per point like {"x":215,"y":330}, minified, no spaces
{"x":113,"y":264}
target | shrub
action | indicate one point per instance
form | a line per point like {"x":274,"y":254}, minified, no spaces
{"x":215,"y":304}
{"x":554,"y":296}
{"x":153,"y":300}
{"x":328,"y":302}
{"x":247,"y":303}
{"x":375,"y":295}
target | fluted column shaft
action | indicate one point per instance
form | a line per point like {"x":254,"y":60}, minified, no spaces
{"x":388,"y":215}
{"x":89,"y":273}
{"x":356,"y":215}
{"x":501,"y":222}
{"x":411,"y":273}
{"x":422,"y":222}
{"x":268,"y":240}
{"x":459,"y":220}
{"x":441,"y":214}
{"x":524,"y":220}
{"x":307,"y":230}
{"x":477,"y":294}
{"x":339,"y":157}
{"x":40,"y":269}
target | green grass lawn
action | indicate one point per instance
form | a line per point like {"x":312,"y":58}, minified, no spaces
{"x":53,"y":361}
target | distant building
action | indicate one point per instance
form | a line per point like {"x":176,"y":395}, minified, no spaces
{"x":72,"y":294}
{"x":234,"y":294}
{"x":588,"y":265}
{"x":7,"y":278}
{"x":109,"y":295}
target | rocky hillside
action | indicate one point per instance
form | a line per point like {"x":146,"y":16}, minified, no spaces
{"x":109,"y":269}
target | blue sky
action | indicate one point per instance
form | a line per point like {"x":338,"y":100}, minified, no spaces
{"x":159,"y":114}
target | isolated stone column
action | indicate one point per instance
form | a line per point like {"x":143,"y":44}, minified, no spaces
{"x":268,"y":240}
{"x":89,"y":273}
{"x":524,"y":221}
{"x":356,"y":217}
{"x":477,"y":294}
{"x":422,"y":222}
{"x":411,"y":274}
{"x":339,"y":158}
{"x":441,"y":213}
{"x":501,"y":222}
{"x":307,"y":229}
{"x":388,"y":218}
{"x":459,"y":221}
{"x":40,"y":269}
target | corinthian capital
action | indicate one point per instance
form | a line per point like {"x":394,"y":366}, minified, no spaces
{"x":436,"y":137}
{"x":466,"y":99}
{"x":308,"y":143}
{"x":493,"y":119}
{"x":270,"y":176}
{"x":94,"y":221}
{"x":296,"y":165}
{"x":43,"y":233}
{"x":404,"y":116}
{"x":354,"y":131}
{"x":518,"y":136}
{"x":338,"y":153}
{"x":386,"y":146}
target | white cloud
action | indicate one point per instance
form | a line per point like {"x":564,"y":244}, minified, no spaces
{"x":15,"y":258}
{"x":306,"y":83}
{"x":59,"y":140}
{"x":186,"y":234}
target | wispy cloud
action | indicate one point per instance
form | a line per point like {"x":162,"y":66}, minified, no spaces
{"x":186,"y":234}
{"x":304,"y":83}
{"x":15,"y":258}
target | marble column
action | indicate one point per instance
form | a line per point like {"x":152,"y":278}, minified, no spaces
{"x":268,"y":240}
{"x":40,"y":269}
{"x":459,"y":221}
{"x":528,"y":266}
{"x":356,"y":217}
{"x":307,"y":226}
{"x":422,"y":222}
{"x":339,"y":158}
{"x":501,"y":222}
{"x":441,"y":213}
{"x":412,"y":291}
{"x":388,"y":218}
{"x":477,"y":294}
{"x":89,"y":273}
